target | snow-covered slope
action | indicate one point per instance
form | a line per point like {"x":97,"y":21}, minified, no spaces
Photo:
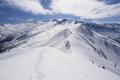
{"x":59,"y":50}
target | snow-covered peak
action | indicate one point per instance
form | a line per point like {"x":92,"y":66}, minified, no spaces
{"x":59,"y":50}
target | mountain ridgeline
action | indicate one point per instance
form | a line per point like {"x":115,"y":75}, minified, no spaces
{"x":99,"y":42}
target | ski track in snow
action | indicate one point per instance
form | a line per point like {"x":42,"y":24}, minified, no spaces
{"x":37,"y":75}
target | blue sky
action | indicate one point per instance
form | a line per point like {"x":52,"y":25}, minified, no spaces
{"x":90,"y":10}
{"x":110,"y":2}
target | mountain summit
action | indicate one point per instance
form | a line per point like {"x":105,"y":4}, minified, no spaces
{"x":59,"y":50}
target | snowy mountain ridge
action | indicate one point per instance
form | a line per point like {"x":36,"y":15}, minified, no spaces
{"x":69,"y":46}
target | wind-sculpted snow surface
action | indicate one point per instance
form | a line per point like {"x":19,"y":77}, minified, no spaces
{"x":59,"y":50}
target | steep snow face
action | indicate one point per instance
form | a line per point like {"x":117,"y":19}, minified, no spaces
{"x":58,"y":50}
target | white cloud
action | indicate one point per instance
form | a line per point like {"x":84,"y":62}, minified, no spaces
{"x":28,"y":6}
{"x":90,"y":9}
{"x":85,"y":8}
